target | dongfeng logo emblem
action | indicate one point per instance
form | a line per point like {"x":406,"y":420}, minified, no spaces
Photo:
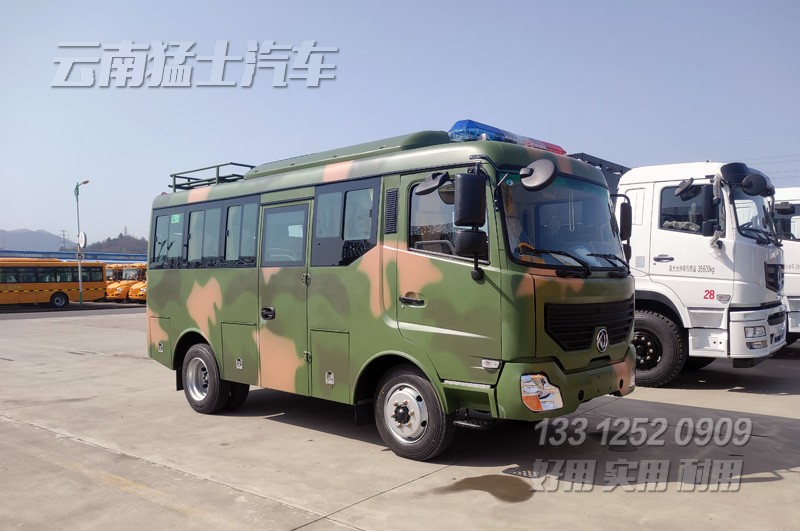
{"x":602,"y":340}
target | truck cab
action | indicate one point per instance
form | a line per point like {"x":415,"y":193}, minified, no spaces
{"x":708,"y":265}
{"x":787,"y":223}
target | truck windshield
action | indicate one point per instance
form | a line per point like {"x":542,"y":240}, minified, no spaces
{"x":753,"y":218}
{"x":569,"y":223}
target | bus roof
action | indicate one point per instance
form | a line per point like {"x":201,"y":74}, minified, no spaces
{"x":416,"y":152}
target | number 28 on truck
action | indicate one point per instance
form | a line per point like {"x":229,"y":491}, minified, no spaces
{"x":431,"y":280}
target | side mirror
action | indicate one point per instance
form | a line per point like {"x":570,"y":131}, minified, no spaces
{"x":625,"y":221}
{"x":470,"y":199}
{"x":538,"y":175}
{"x":754,"y":184}
{"x":471,"y":243}
{"x":709,"y":227}
{"x":686,"y":190}
{"x":626,"y":248}
{"x":434,"y":181}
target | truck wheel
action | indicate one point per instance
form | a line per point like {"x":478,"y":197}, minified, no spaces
{"x":791,"y":338}
{"x":238,"y":394}
{"x":59,"y":300}
{"x":695,"y":364}
{"x":660,"y":349}
{"x":205,"y":391}
{"x":409,"y":416}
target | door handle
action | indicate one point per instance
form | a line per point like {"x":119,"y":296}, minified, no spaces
{"x":412,"y":301}
{"x":663,"y":258}
{"x":268,"y":313}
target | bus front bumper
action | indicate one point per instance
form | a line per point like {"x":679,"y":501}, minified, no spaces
{"x":506,"y":401}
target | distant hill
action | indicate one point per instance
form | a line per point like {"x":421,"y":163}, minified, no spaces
{"x":43,"y":241}
{"x":32,"y":240}
{"x":124,"y":243}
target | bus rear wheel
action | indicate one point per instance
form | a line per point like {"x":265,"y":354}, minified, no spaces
{"x":205,"y":391}
{"x":59,"y":300}
{"x":237,"y":396}
{"x":409,"y":416}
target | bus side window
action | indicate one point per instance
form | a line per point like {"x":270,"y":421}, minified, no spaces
{"x":27,"y":274}
{"x":284,"y":242}
{"x":8,"y":276}
{"x":240,"y":234}
{"x":345,"y":225}
{"x":168,"y":240}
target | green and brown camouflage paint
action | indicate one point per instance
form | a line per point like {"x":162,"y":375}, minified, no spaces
{"x":347,"y":321}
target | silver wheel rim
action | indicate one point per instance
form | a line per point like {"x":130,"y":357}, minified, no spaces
{"x":197,"y":379}
{"x":405,"y":413}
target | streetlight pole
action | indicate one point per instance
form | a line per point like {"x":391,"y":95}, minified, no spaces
{"x":78,"y":207}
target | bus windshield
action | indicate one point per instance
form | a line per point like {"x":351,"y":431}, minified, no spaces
{"x":569,"y":223}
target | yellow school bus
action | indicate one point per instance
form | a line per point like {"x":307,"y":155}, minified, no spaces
{"x":138,"y":292}
{"x":48,"y":280}
{"x":130,"y":274}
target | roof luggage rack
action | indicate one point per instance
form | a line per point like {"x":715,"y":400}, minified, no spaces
{"x":184,"y":181}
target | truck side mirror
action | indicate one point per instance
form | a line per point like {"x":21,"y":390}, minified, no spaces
{"x":625,"y":221}
{"x":710,"y":227}
{"x":785,"y":208}
{"x":626,"y":249}
{"x":470,"y":199}
{"x":754,"y":184}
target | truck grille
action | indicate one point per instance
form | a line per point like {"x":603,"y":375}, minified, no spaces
{"x":774,"y":276}
{"x":573,"y":326}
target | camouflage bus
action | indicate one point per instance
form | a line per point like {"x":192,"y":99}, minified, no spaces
{"x":431,"y":280}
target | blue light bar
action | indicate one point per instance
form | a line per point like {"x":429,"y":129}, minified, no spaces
{"x":464,"y":130}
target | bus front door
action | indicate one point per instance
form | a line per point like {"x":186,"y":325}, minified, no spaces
{"x":283,"y":292}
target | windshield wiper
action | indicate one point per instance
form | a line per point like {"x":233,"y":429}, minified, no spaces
{"x":561,"y":272}
{"x":761,"y":236}
{"x":611,"y":258}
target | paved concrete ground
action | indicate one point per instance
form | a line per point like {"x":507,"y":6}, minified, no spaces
{"x":93,"y":436}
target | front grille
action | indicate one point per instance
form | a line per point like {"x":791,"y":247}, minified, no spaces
{"x":774,"y":276}
{"x":572,"y":326}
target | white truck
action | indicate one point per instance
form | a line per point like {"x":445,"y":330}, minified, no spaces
{"x":707,"y":262}
{"x":787,"y":222}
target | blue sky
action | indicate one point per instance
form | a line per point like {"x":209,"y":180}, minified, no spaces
{"x":634,"y":82}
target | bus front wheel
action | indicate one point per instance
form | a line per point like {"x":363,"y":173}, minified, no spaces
{"x":409,"y":416}
{"x":205,"y":391}
{"x":59,"y":300}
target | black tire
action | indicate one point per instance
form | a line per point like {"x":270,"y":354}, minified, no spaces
{"x":695,"y":364}
{"x":660,"y":349}
{"x":791,"y":338}
{"x":205,"y":391}
{"x":422,"y":431}
{"x":237,"y":395}
{"x":59,"y":300}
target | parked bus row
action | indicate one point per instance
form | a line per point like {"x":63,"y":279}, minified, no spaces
{"x":56,"y":282}
{"x":444,"y":279}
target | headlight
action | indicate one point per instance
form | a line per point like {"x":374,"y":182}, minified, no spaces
{"x":755,"y":331}
{"x":119,"y":290}
{"x":538,"y":394}
{"x":143,"y":290}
